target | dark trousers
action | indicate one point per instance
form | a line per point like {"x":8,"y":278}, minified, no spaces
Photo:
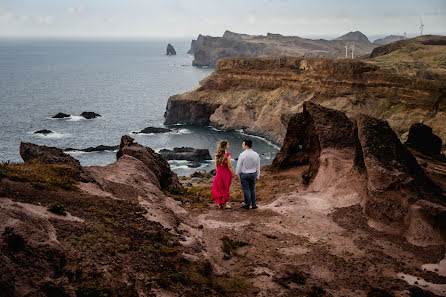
{"x":248,"y":181}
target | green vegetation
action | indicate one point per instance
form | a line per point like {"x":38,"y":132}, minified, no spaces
{"x":42,"y":176}
{"x":57,"y":208}
{"x":194,"y":197}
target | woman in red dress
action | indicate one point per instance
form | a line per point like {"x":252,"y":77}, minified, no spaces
{"x":223,"y":178}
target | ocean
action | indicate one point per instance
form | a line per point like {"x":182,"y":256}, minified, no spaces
{"x":127,"y":82}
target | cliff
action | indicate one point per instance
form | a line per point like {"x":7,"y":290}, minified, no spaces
{"x":260,"y":95}
{"x":209,"y":50}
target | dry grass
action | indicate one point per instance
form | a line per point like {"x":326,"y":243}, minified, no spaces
{"x":42,"y":176}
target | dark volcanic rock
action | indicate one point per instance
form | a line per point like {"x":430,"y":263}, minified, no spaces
{"x":423,"y":140}
{"x":316,"y":129}
{"x":89,"y":115}
{"x":186,"y":153}
{"x":394,"y":178}
{"x":61,"y":115}
{"x":155,"y":162}
{"x":46,"y":154}
{"x":191,"y":112}
{"x":170,"y":51}
{"x":99,"y":148}
{"x":150,"y":130}
{"x":44,"y":132}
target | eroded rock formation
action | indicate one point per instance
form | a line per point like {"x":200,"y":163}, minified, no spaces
{"x":166,"y":179}
{"x":260,"y":95}
{"x":186,"y":153}
{"x":170,"y":50}
{"x":365,"y":156}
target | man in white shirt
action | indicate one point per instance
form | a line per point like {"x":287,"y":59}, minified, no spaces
{"x":248,"y":169}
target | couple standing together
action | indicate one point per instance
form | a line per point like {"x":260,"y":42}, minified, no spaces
{"x":248,"y":170}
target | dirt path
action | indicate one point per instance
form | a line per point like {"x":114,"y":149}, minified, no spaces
{"x":301,"y":243}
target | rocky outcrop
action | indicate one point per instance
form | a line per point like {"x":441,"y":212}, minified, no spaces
{"x":44,"y":132}
{"x":61,"y":115}
{"x":210,"y":49}
{"x":423,"y":140}
{"x":260,"y":95}
{"x":154,"y":130}
{"x":354,"y":36}
{"x":194,"y":44}
{"x":50,"y":155}
{"x":170,"y":50}
{"x":89,"y":115}
{"x":365,"y":157}
{"x":165,"y":178}
{"x":388,"y":39}
{"x":311,"y":133}
{"x":186,"y":153}
{"x":99,"y":148}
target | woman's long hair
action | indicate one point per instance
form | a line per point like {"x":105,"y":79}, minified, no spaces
{"x":221,"y":151}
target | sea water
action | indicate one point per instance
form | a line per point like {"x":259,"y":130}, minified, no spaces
{"x":127,"y":82}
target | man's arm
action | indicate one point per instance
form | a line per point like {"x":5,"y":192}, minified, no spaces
{"x":238,"y":170}
{"x":258,"y":167}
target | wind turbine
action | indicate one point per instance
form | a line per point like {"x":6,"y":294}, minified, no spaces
{"x":421,"y":25}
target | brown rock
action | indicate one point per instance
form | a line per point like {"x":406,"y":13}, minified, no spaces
{"x":46,"y":154}
{"x":155,"y":162}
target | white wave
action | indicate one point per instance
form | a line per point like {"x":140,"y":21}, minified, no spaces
{"x":183,"y":131}
{"x":76,"y":152}
{"x":241,"y":131}
{"x":214,"y":129}
{"x":173,"y":162}
{"x":75,"y":118}
{"x":50,"y":135}
{"x":173,"y":167}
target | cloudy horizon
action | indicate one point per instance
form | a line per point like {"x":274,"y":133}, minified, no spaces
{"x":187,"y":19}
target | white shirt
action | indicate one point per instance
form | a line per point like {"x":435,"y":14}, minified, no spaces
{"x":248,"y":162}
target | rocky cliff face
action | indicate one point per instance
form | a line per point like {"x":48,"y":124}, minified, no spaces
{"x":210,"y":49}
{"x":260,"y":95}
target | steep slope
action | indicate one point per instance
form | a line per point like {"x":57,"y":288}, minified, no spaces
{"x":260,"y":95}
{"x":423,"y":56}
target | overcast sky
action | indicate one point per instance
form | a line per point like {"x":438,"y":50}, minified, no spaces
{"x":186,"y":19}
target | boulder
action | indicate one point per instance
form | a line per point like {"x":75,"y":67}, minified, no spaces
{"x":44,"y":132}
{"x":186,"y":153}
{"x":99,"y":148}
{"x":89,"y":115}
{"x":309,"y":133}
{"x":61,"y":115}
{"x":170,"y":51}
{"x":394,"y":179}
{"x":46,"y":154}
{"x":423,"y":140}
{"x":156,"y":130}
{"x":51,"y":155}
{"x":155,"y":162}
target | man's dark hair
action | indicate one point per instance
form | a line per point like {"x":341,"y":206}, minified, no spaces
{"x":248,"y":142}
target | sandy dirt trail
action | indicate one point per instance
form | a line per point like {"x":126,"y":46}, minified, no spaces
{"x":310,"y":243}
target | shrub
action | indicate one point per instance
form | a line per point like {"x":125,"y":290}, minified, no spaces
{"x":57,"y":208}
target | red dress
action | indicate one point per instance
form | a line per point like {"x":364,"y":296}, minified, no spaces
{"x":222,"y":182}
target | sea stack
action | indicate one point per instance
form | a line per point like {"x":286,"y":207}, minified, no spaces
{"x":170,"y":50}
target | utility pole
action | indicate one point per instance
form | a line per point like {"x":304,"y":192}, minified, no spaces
{"x":421,"y":26}
{"x":353,"y":50}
